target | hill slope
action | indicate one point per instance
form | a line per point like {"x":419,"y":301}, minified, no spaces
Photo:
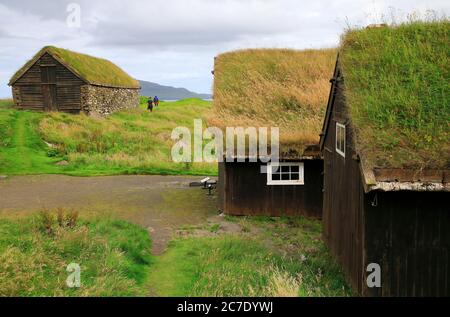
{"x":168,"y":92}
{"x":132,"y":141}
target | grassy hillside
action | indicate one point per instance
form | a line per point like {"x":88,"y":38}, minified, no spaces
{"x":128,"y":142}
{"x":397,"y":87}
{"x":274,"y":87}
{"x":35,"y":252}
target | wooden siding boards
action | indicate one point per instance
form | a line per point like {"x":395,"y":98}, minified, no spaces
{"x":410,"y":240}
{"x":406,"y":232}
{"x":243,"y":190}
{"x":34,"y":89}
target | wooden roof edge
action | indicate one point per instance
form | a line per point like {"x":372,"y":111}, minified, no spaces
{"x":34,"y":60}
{"x":311,"y":152}
{"x":368,"y":177}
{"x":17,"y":75}
{"x":330,"y":104}
{"x":389,"y":179}
{"x":282,"y":158}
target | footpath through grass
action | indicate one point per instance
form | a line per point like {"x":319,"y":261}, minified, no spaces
{"x":270,"y":257}
{"x":34,"y":254}
{"x":267,"y":257}
{"x":22,"y":151}
{"x":128,"y":142}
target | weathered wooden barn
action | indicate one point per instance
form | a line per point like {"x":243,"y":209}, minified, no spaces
{"x":57,"y":79}
{"x":274,"y":88}
{"x":379,"y":208}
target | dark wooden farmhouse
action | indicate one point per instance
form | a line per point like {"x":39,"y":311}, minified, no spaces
{"x":271,"y":88}
{"x":57,"y":79}
{"x":291,"y":187}
{"x":378,"y":206}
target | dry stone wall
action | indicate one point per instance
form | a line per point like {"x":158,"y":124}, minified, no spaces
{"x":96,"y":100}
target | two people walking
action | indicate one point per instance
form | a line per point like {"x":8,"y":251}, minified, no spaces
{"x":152,"y":103}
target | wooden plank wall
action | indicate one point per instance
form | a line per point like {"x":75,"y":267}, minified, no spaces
{"x":244,"y":191}
{"x":68,"y":87}
{"x":408,"y":234}
{"x":343,"y":213}
{"x":30,"y":90}
{"x":221,"y":185}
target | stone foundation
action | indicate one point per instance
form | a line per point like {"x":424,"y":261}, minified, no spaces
{"x":96,"y":100}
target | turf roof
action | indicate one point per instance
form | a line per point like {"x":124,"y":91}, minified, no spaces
{"x":94,"y":70}
{"x":397,"y":87}
{"x":274,"y":88}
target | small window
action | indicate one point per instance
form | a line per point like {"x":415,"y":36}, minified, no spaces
{"x":285,"y":174}
{"x":340,"y":139}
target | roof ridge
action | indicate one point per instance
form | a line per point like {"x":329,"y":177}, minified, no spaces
{"x":91,"y":69}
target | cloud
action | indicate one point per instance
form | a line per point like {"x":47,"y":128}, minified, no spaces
{"x":174,"y":41}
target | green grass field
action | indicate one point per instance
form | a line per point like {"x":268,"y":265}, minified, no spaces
{"x":34,"y":253}
{"x":285,"y":257}
{"x":128,"y":142}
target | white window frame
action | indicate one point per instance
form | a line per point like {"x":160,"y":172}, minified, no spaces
{"x":300,"y":181}
{"x":341,"y":127}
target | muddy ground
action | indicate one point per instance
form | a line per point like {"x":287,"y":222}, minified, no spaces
{"x":161,"y":204}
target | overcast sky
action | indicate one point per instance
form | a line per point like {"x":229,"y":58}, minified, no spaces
{"x":173,"y":42}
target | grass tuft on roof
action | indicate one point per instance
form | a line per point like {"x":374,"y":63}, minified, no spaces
{"x":397,"y":87}
{"x":274,"y":88}
{"x":95,"y":70}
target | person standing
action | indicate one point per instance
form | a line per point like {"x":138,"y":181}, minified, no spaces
{"x":150,"y":104}
{"x":156,"y":101}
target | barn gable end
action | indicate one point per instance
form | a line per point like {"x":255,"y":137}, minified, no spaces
{"x":54,"y":80}
{"x":28,"y":88}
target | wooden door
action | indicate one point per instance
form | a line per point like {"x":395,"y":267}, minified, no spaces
{"x":48,"y":80}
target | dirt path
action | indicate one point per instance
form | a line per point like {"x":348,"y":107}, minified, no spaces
{"x":161,"y":204}
{"x":27,"y":152}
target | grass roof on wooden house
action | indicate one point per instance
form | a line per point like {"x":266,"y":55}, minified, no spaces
{"x":397,"y":87}
{"x":274,"y":88}
{"x":93,"y":70}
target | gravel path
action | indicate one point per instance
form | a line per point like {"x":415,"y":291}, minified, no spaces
{"x":159,"y":203}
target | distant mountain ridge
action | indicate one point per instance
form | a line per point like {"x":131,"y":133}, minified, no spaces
{"x":168,"y":92}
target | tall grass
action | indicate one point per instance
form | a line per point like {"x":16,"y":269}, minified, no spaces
{"x":397,"y":89}
{"x":35,"y":252}
{"x":274,"y":87}
{"x":128,"y":142}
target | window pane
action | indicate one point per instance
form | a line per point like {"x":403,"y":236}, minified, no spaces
{"x":295,"y":176}
{"x":285,"y":169}
{"x":339,"y":138}
{"x":295,"y":169}
{"x":285,"y":177}
{"x":275,"y":177}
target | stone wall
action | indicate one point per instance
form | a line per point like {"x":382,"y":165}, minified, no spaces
{"x":96,"y":100}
